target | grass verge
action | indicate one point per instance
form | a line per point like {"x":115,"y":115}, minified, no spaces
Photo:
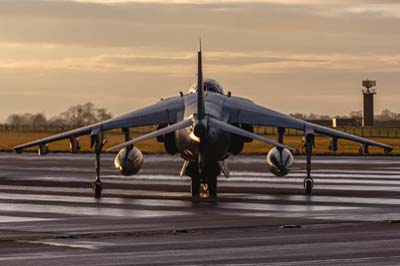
{"x":9,"y":139}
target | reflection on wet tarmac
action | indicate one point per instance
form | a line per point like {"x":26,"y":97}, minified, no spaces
{"x":81,"y":210}
{"x":14,"y":219}
{"x":73,"y":201}
{"x":48,"y":215}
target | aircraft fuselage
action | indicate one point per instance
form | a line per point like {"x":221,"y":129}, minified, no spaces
{"x":215,"y":142}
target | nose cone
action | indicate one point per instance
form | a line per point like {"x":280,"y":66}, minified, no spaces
{"x":216,"y":136}
{"x":215,"y":144}
{"x":200,"y":129}
{"x":280,"y":161}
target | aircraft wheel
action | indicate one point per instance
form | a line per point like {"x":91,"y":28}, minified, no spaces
{"x":308,"y":184}
{"x":97,"y":187}
{"x":195,"y":187}
{"x":212,"y":187}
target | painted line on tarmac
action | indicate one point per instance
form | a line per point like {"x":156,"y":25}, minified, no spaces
{"x":87,"y":211}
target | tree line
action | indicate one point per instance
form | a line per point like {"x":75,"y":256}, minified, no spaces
{"x":75,"y":116}
{"x":385,"y":115}
{"x":85,"y":114}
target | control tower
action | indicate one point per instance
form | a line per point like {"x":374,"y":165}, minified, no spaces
{"x":368,"y":102}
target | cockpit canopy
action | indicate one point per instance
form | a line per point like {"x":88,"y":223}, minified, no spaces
{"x":209,"y":85}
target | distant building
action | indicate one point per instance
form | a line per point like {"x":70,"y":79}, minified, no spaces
{"x":322,"y":122}
{"x":368,"y":102}
{"x":337,"y":122}
{"x":345,"y":122}
{"x":389,"y":123}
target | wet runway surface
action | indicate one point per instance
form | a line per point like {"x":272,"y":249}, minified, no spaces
{"x":48,"y":215}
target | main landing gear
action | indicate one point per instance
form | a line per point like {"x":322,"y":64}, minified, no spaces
{"x":98,"y":140}
{"x":308,"y":143}
{"x":97,"y":185}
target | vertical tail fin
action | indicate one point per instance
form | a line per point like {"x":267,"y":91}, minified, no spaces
{"x":200,"y":86}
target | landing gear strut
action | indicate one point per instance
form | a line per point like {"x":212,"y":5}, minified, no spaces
{"x":281,"y":133}
{"x":127,"y":137}
{"x":97,"y":185}
{"x":308,"y":143}
{"x":98,"y":141}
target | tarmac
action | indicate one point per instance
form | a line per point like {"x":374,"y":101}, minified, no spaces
{"x":48,"y":215}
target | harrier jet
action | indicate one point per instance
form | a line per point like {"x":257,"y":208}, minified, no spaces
{"x":205,"y":126}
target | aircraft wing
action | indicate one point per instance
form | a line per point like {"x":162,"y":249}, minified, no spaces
{"x":166,"y":111}
{"x":246,"y":112}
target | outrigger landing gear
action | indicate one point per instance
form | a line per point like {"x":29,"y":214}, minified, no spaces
{"x":308,"y":143}
{"x":127,"y":137}
{"x":98,"y":142}
{"x":97,"y":187}
{"x":308,"y":184}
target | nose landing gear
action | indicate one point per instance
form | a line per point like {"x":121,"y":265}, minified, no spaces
{"x":204,"y":184}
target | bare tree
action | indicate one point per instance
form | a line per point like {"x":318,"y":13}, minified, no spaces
{"x":56,"y":121}
{"x":325,"y":117}
{"x":299,"y":116}
{"x":15,"y":120}
{"x":35,"y":120}
{"x":76,"y":116}
{"x":102,"y":114}
{"x":38,"y":119}
{"x":356,"y":114}
{"x":84,"y":114}
{"x":386,"y":115}
{"x":311,"y":116}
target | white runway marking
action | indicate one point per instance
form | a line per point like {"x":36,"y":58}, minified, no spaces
{"x":76,"y":244}
{"x":25,"y":198}
{"x":85,"y":211}
{"x":245,"y":177}
{"x":15,"y":219}
{"x":133,"y":224}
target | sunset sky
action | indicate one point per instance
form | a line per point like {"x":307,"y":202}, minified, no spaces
{"x":292,"y":56}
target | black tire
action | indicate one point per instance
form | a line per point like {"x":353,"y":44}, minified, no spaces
{"x":212,"y":171}
{"x":212,"y":186}
{"x":192,"y":170}
{"x":195,"y":187}
{"x":98,"y":187}
{"x":308,"y":186}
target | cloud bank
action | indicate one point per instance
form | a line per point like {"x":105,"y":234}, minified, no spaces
{"x":289,"y":55}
